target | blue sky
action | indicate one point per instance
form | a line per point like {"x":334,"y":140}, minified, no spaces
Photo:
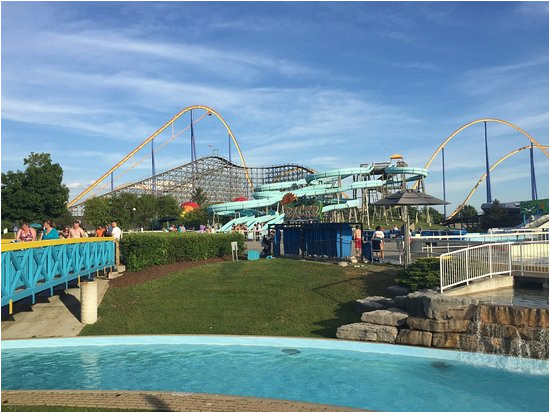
{"x":322,"y":84}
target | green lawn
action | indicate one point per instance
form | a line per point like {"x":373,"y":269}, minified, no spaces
{"x":277,"y":297}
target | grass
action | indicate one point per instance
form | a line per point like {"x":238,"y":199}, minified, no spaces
{"x":277,"y":297}
{"x":45,"y":408}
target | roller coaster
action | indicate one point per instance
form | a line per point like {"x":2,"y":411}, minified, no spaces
{"x":257,"y":194}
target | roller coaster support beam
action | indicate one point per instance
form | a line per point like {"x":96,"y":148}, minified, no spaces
{"x":444,"y":192}
{"x":456,"y":132}
{"x":534,"y":194}
{"x":154,"y":183}
{"x":487,"y":169}
{"x":159,"y":131}
{"x":112,"y":182}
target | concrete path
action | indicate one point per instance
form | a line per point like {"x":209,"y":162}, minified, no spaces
{"x":160,"y":401}
{"x":55,"y":316}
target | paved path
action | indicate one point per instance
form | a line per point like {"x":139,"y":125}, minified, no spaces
{"x":55,"y":316}
{"x":161,"y":401}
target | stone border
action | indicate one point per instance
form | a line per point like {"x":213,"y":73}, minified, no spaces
{"x":161,"y":401}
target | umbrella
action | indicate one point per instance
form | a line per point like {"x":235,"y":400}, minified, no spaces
{"x":406,"y":198}
{"x":409,"y":197}
{"x":35,"y":226}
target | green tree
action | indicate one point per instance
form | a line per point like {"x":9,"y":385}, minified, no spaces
{"x":467,"y":211}
{"x":199,"y":196}
{"x":97,"y":211}
{"x":437,"y":216}
{"x":35,"y":194}
{"x":167,"y":206}
{"x":194,"y":219}
{"x":496,"y":217}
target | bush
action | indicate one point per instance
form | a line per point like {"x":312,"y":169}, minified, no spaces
{"x":143,"y":250}
{"x":424,"y":273}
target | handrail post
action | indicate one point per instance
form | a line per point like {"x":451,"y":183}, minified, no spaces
{"x":490,"y":261}
{"x":467,"y":267}
{"x":510,"y":257}
{"x":441,"y":273}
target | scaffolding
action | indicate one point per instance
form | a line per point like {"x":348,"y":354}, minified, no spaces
{"x":221,"y":179}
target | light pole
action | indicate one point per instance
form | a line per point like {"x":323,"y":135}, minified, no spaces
{"x":134,"y":217}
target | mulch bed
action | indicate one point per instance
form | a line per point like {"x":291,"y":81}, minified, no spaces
{"x":158,"y":271}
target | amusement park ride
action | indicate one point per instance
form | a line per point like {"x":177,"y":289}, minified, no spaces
{"x":261,"y":194}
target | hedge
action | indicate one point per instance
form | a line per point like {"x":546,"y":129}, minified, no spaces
{"x":143,"y":250}
{"x":424,"y":273}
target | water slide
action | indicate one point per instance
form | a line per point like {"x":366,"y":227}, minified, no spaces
{"x":317,"y":184}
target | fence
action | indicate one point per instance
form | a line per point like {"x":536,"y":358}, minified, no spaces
{"x":322,"y":240}
{"x":31,"y":267}
{"x":468,"y":264}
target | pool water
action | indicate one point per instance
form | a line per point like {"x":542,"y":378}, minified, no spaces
{"x":306,"y":370}
{"x":520,"y":296}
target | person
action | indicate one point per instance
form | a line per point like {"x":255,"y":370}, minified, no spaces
{"x":100,"y":231}
{"x":181,"y":228}
{"x":358,"y":238}
{"x":26,"y":233}
{"x":378,"y":242}
{"x":116,"y":231}
{"x":65,"y":233}
{"x":49,"y":231}
{"x":76,"y":231}
{"x":267,"y":240}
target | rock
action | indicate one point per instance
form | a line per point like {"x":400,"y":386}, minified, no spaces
{"x":395,"y":318}
{"x":438,"y":326}
{"x":414,"y":338}
{"x":516,"y":316}
{"x":398,"y":290}
{"x":497,"y":330}
{"x":353,"y":259}
{"x":533,"y":333}
{"x":367,"y":332}
{"x":372,"y":303}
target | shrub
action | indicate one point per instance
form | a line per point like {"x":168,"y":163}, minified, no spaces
{"x":424,"y":273}
{"x":143,"y":250}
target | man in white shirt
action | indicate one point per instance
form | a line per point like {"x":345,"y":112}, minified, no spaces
{"x":378,"y":242}
{"x":116,"y":231}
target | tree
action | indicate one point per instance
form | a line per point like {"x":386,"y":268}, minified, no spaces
{"x":199,"y":196}
{"x":194,"y":219}
{"x":496,"y":217}
{"x":97,"y":211}
{"x":37,"y":193}
{"x":437,"y":216}
{"x":467,"y":211}
{"x":167,"y":206}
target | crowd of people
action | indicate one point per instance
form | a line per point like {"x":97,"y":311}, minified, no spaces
{"x":250,"y":233}
{"x":49,"y":232}
{"x":181,"y":228}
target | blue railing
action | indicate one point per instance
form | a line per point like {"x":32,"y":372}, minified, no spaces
{"x":32,"y":267}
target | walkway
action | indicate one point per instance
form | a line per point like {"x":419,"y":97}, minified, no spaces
{"x":55,"y":316}
{"x":160,"y":401}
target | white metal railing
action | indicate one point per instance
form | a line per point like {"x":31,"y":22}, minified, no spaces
{"x":468,"y":264}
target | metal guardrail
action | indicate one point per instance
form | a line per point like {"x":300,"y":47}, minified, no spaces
{"x":32,"y":267}
{"x":481,"y":261}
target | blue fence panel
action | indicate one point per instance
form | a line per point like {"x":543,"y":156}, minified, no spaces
{"x":29,"y":271}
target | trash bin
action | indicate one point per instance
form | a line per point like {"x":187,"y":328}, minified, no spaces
{"x":367,"y":251}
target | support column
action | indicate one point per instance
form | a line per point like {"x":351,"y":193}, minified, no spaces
{"x":88,"y":302}
{"x":444,"y":194}
{"x":112,"y":182}
{"x":153,"y":173}
{"x":534,"y":194}
{"x":487,"y":169}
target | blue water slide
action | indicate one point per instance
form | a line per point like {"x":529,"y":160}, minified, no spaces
{"x":338,"y":173}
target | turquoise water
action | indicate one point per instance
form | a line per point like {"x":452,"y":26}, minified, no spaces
{"x":306,"y":370}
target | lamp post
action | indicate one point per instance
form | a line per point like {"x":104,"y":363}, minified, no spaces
{"x":134,"y":217}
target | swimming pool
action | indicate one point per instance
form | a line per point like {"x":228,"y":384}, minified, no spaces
{"x":356,"y":374}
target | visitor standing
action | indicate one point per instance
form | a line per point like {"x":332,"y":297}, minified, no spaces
{"x":26,"y":233}
{"x":116,"y":232}
{"x":76,"y":231}
{"x":49,"y":231}
{"x":358,"y":238}
{"x":100,"y":231}
{"x":378,"y":242}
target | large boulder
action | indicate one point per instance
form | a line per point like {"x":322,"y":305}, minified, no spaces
{"x":431,"y":304}
{"x":414,"y":338}
{"x":391,"y":317}
{"x":438,"y":326}
{"x":372,"y":303}
{"x":367,"y":332}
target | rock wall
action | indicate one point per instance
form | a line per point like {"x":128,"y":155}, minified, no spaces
{"x":434,"y":320}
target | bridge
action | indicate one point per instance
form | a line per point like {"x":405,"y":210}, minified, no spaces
{"x":29,"y":268}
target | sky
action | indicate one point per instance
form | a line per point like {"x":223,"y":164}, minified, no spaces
{"x":325,"y":85}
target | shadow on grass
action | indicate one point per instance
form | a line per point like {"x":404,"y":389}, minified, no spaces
{"x":373,"y":283}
